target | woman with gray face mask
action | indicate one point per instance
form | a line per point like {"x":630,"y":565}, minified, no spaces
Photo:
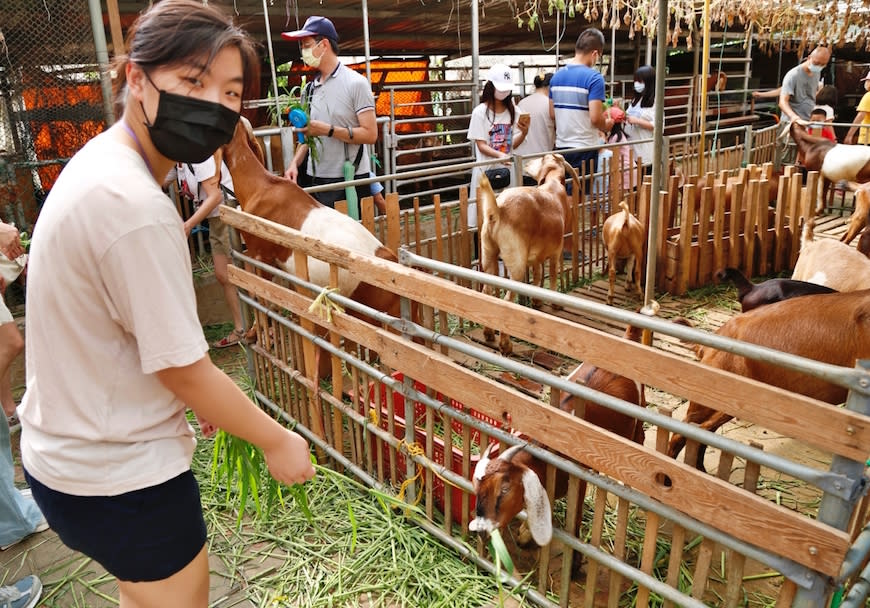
{"x":496,"y":128}
{"x":115,"y":351}
{"x":640,"y":114}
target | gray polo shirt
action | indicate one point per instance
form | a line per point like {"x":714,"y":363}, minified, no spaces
{"x":338,"y":101}
{"x":801,"y":88}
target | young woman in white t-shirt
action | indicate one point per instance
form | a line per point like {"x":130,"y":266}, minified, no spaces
{"x":495,"y":128}
{"x":641,"y":112}
{"x":115,"y":351}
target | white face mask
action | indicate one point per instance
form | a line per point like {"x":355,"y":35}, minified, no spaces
{"x":639,"y":87}
{"x":815,"y":69}
{"x":308,"y":57}
{"x":502,"y":95}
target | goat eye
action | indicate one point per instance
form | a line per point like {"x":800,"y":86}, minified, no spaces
{"x":505,"y":489}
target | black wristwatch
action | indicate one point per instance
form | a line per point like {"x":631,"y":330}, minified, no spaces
{"x":331,"y":131}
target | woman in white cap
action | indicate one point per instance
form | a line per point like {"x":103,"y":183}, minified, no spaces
{"x":496,"y":129}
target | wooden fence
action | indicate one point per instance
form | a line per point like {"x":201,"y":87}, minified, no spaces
{"x":654,"y":529}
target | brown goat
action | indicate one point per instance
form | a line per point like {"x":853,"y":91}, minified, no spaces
{"x":832,"y":328}
{"x":624,"y":238}
{"x":860,"y":214}
{"x":280,"y":200}
{"x":524,"y":226}
{"x":511,"y":482}
{"x":830,"y":263}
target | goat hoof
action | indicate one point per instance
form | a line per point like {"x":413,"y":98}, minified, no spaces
{"x":489,"y":335}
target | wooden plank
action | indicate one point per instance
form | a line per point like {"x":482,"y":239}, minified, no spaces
{"x":794,"y":216}
{"x":438,"y":226}
{"x":705,"y":272}
{"x":595,"y":541}
{"x":761,"y":225}
{"x":118,"y":47}
{"x":748,"y":265}
{"x":734,"y":226}
{"x":618,"y":551}
{"x":367,"y":213}
{"x":648,"y":556}
{"x":737,"y":561}
{"x":719,"y":245}
{"x":687,"y":219}
{"x":780,"y":243}
{"x":394,"y":225}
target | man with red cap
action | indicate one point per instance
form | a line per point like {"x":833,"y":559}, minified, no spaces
{"x":341,"y":114}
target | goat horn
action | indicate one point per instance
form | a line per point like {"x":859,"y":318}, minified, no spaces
{"x":510,"y":452}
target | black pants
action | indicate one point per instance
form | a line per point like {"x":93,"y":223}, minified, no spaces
{"x":580,"y":161}
{"x":330,"y":197}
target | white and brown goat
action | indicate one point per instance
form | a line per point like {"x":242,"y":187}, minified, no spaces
{"x":281,"y":200}
{"x":524,"y":226}
{"x":512,"y":482}
{"x":834,"y":161}
{"x":830,"y":263}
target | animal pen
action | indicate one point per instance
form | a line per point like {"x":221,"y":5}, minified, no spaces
{"x":412,"y":402}
{"x":460,"y":396}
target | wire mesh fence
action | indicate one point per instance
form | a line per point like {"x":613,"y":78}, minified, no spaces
{"x":51,"y":100}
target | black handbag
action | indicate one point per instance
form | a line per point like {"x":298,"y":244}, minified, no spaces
{"x":499,"y":177}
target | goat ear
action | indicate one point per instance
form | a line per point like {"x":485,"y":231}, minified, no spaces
{"x":539,"y":518}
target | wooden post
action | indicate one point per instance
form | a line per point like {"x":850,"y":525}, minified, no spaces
{"x":734,"y":225}
{"x":685,"y":240}
{"x":394,"y":227}
{"x":718,"y":227}
{"x":761,"y":225}
{"x":748,"y":265}
{"x":705,"y":261}
{"x":780,"y":241}
{"x":118,"y":47}
{"x":794,"y":218}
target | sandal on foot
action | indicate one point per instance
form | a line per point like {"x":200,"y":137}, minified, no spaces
{"x":231,"y":339}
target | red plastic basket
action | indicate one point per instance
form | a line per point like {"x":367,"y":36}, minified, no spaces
{"x":437,"y":442}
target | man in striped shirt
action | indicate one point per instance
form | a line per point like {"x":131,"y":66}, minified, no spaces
{"x":577,"y":101}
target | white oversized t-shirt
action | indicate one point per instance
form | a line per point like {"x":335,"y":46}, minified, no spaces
{"x":110,"y":301}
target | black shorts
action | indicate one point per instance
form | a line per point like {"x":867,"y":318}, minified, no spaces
{"x":143,"y":535}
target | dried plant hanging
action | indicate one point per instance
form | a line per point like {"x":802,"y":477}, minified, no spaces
{"x":797,"y":23}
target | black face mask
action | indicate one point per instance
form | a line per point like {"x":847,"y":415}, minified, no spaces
{"x":189,"y":130}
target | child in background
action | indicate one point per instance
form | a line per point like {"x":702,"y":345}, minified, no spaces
{"x":622,"y":154}
{"x":820,"y":115}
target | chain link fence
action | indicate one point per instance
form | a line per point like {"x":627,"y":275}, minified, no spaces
{"x":51,"y":101}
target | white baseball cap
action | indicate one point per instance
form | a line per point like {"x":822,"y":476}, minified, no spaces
{"x":501,"y":76}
